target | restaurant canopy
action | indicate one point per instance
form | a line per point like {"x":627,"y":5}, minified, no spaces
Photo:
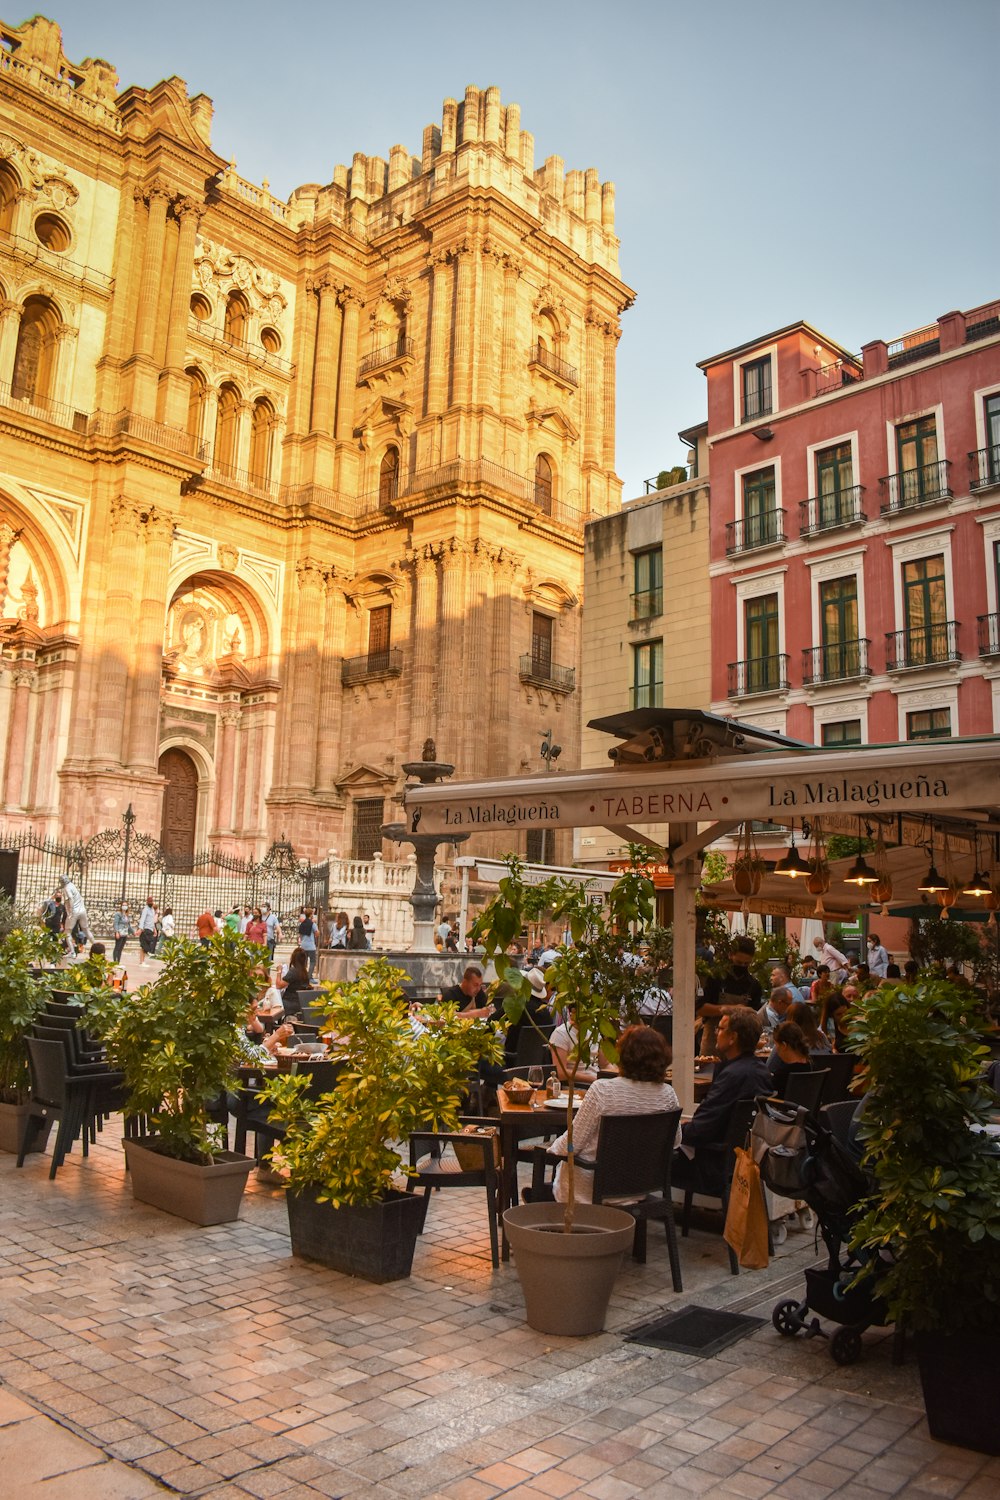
{"x":704,"y":775}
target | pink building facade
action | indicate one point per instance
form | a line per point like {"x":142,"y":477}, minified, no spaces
{"x":855,"y":532}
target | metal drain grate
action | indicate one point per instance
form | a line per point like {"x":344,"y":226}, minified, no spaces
{"x":695,"y":1330}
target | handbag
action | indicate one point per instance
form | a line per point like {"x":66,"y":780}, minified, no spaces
{"x":746,"y":1217}
{"x":780,"y":1148}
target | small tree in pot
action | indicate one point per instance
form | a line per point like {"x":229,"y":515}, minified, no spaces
{"x":339,"y":1152}
{"x":21,"y":998}
{"x":177,"y":1043}
{"x":604,"y":991}
{"x":935,"y":1211}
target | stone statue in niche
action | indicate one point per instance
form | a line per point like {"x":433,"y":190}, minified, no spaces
{"x":193,"y":636}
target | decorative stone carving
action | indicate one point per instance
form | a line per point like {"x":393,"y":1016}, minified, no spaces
{"x":228,"y":557}
{"x":45,"y":177}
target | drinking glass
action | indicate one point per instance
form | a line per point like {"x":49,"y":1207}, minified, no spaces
{"x":535,"y":1077}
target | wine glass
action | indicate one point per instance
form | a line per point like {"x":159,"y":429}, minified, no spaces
{"x":535,"y":1077}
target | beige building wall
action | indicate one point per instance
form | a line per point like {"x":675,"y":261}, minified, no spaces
{"x":241,"y":434}
{"x":677,"y":521}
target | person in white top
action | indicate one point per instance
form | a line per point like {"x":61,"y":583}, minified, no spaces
{"x":641,"y":1089}
{"x":878,"y":958}
{"x":829,"y":955}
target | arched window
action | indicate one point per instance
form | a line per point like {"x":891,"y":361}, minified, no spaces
{"x":9,"y":186}
{"x":261,"y":430}
{"x":543,"y":483}
{"x":388,"y":477}
{"x":547,"y":336}
{"x":35,"y":356}
{"x":196,"y":401}
{"x":237,"y":313}
{"x":226,"y":429}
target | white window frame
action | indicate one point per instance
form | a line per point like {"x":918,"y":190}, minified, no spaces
{"x":831,"y":442}
{"x":892,"y":451}
{"x":907,"y":549}
{"x":979,"y":397}
{"x":840,"y":565}
{"x":768,"y":463}
{"x":917,"y":700}
{"x":769,"y":351}
{"x":991,"y":536}
{"x":772,"y":582}
{"x":835,"y":710}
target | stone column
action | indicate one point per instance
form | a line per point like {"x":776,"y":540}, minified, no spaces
{"x":451,"y":644}
{"x":478,"y":654}
{"x":461,"y":342}
{"x":10,"y":324}
{"x":351,"y":302}
{"x":62,"y":373}
{"x":144,"y":386}
{"x":303,"y":355}
{"x":508,"y":337}
{"x":175,"y":404}
{"x":330,"y":690}
{"x":593,"y":393}
{"x":241,"y":448}
{"x":125,"y":563}
{"x":209,"y":420}
{"x":229,"y":720}
{"x":25,"y":677}
{"x":611,"y":337}
{"x":502,"y":674}
{"x":423,"y":716}
{"x":147,"y":645}
{"x":304,"y":698}
{"x":324,"y":381}
{"x":437,"y":354}
{"x":486,"y":387}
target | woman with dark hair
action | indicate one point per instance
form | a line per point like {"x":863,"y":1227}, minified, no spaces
{"x":790,"y":1055}
{"x":295,"y":978}
{"x":340,"y":930}
{"x":805,"y":1018}
{"x":256,"y":928}
{"x":359,"y":937}
{"x":640,"y":1089}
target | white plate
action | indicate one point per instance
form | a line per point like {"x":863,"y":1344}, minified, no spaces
{"x":563,"y":1102}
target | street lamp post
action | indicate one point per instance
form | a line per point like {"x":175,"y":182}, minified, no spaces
{"x":549,"y":753}
{"x":128,"y":818}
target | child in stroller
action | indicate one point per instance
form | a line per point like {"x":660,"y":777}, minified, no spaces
{"x":814,"y":1163}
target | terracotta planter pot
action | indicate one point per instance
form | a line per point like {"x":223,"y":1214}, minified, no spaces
{"x":12,"y":1118}
{"x":567,"y":1279}
{"x":202,"y":1195}
{"x":960,"y":1376}
{"x":375,"y":1242}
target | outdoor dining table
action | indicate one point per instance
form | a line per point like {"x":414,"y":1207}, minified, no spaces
{"x":252,"y":1074}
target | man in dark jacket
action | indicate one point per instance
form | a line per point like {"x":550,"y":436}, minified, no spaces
{"x":737,"y":986}
{"x":738,"y":1075}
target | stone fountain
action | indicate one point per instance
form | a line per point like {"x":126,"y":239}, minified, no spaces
{"x":424,"y":899}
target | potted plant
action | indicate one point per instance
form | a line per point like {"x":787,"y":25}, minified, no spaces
{"x":21,"y":998}
{"x":339,"y":1153}
{"x":935,"y":1209}
{"x":575,"y":1247}
{"x":177,"y":1042}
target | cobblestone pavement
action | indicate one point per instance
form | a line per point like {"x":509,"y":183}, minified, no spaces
{"x":137,"y":1352}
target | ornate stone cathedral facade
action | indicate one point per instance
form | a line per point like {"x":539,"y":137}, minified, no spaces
{"x":286,"y":488}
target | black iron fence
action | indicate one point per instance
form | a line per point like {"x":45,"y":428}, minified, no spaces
{"x":120,"y":865}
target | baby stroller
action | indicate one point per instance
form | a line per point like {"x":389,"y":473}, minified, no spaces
{"x":808,"y":1160}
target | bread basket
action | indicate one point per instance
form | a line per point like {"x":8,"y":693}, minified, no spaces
{"x":518,"y":1090}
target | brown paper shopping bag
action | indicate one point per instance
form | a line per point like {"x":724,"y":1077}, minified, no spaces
{"x":746,"y":1217}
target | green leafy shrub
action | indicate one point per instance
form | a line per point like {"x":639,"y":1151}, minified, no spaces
{"x":176,"y":1040}
{"x":343,"y":1145}
{"x":21,"y":998}
{"x":936,"y":1205}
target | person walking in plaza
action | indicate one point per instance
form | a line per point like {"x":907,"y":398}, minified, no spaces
{"x":205,"y":927}
{"x":273,"y":930}
{"x":167,"y":928}
{"x":122,"y":930}
{"x":76,"y":915}
{"x":147,"y":930}
{"x":307,"y":938}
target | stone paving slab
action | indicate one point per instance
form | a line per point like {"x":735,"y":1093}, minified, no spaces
{"x":210,"y":1363}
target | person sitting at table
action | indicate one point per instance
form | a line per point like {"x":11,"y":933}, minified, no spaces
{"x":295,"y":978}
{"x":775,"y":1008}
{"x":805,"y":1018}
{"x":790,"y":1055}
{"x":640,"y":1089}
{"x":575,"y":1062}
{"x":536,"y":1013}
{"x":740,"y":1074}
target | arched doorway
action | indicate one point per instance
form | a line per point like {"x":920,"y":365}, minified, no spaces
{"x":180,"y":807}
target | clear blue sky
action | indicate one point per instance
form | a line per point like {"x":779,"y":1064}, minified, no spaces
{"x":786,"y":159}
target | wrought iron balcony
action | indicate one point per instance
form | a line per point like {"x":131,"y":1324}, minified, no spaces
{"x":646,"y":605}
{"x":757,"y":404}
{"x":922,"y":646}
{"x":553,"y":365}
{"x":401,"y":348}
{"x":387,"y":663}
{"x":542,"y":672}
{"x":838,"y":661}
{"x":914,"y":487}
{"x":758,"y":674}
{"x":984,"y":468}
{"x":827,"y":512}
{"x":765,"y":530}
{"x":989,"y":635}
{"x":646,"y":695}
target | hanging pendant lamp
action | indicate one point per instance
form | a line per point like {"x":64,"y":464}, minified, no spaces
{"x":792,"y":864}
{"x":861,"y":872}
